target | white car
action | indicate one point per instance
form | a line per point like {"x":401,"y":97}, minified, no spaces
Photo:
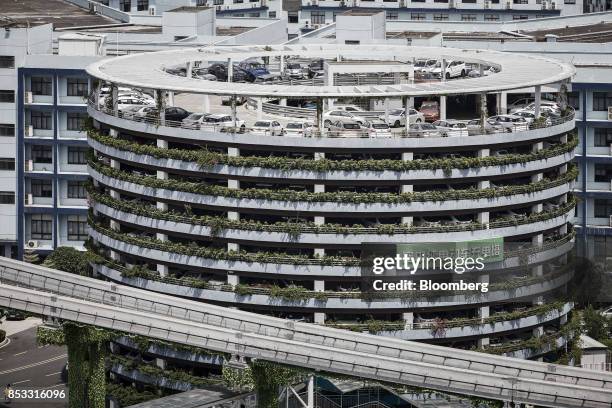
{"x":295,"y":70}
{"x":267,"y":128}
{"x":543,"y":104}
{"x":130,"y":101}
{"x":349,"y":108}
{"x":378,"y":129}
{"x":397,"y":117}
{"x":454,"y":69}
{"x":451,"y":127}
{"x":425,"y":65}
{"x":335,"y":115}
{"x":220,"y":121}
{"x":299,"y":129}
{"x":195,"y":120}
{"x":509,"y":123}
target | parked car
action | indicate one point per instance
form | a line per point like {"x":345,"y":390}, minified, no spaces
{"x":509,"y":123}
{"x":295,"y":70}
{"x":267,"y":128}
{"x":345,"y":127}
{"x":430,"y":111}
{"x":222,"y":122}
{"x":543,"y":104}
{"x":253,"y":69}
{"x":454,"y":69}
{"x":299,"y":129}
{"x":202,"y":73}
{"x":172,"y":113}
{"x":451,"y":127}
{"x":519,"y":104}
{"x":349,"y":108}
{"x":378,"y":128}
{"x":267,"y":79}
{"x":315,"y":68}
{"x":333,"y":115}
{"x":425,"y":65}
{"x":475,"y":127}
{"x":219,"y":70}
{"x":397,"y":117}
{"x":134,"y":112}
{"x":130,"y":101}
{"x":423,"y":130}
{"x":195,"y":120}
{"x":13,"y":314}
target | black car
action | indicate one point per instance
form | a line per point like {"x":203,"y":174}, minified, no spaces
{"x":220,"y":71}
{"x":315,"y":68}
{"x":173,"y":113}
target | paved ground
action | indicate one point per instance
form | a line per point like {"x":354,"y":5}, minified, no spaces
{"x":26,"y":365}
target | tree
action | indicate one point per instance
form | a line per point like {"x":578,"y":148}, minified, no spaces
{"x":595,"y":324}
{"x":70,"y":260}
{"x":30,"y":256}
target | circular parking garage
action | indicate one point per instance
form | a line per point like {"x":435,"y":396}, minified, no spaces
{"x":260,"y":194}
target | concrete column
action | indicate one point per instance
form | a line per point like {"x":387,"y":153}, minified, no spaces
{"x":408,"y":320}
{"x":503,"y":103}
{"x":114,"y":94}
{"x":481,"y":70}
{"x":232,"y":279}
{"x":189,"y":72}
{"x":407,"y":188}
{"x":483,"y":111}
{"x":386,"y":110}
{"x":319,"y":116}
{"x":442,"y":107}
{"x":230,"y":70}
{"x":483,"y":312}
{"x":259,"y":108}
{"x":443,"y":69}
{"x":233,"y":108}
{"x":538,"y":100}
{"x":170,"y":99}
{"x":537,"y":147}
{"x":409,"y":104}
{"x":206,"y":104}
{"x":319,"y":317}
{"x":484,"y":217}
{"x":161,"y":363}
{"x":282,"y":102}
{"x":282,"y":64}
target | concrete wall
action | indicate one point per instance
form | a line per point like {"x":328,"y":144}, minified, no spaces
{"x":272,"y":33}
{"x":187,"y":24}
{"x":362,"y":28}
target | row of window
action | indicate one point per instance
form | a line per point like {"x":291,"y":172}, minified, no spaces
{"x":41,"y":227}
{"x":41,"y":85}
{"x":44,"y":120}
{"x":44,"y":154}
{"x":44,"y":189}
{"x":318,"y":17}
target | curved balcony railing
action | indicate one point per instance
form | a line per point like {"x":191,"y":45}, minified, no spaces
{"x":150,"y":215}
{"x":314,"y":133}
{"x":203,"y":161}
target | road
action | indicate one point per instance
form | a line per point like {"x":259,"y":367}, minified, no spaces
{"x":25,"y":365}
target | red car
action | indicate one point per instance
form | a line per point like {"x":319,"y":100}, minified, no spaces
{"x":430,"y":110}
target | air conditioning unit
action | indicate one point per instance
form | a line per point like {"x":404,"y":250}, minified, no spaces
{"x":29,"y":199}
{"x":544,"y":5}
{"x":29,"y":130}
{"x":151,"y":11}
{"x":609,"y":112}
{"x":29,"y":165}
{"x":508,"y":5}
{"x":553,"y":5}
{"x":451,"y":3}
{"x":32,"y":244}
{"x":29,"y":97}
{"x":487,"y":4}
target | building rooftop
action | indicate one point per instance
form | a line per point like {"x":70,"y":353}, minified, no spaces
{"x":24,"y":13}
{"x":189,"y":9}
{"x":593,"y":33}
{"x":190,"y":399}
{"x":589,"y":343}
{"x":362,"y":12}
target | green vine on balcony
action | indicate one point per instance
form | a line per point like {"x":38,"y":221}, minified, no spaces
{"x":207,"y":159}
{"x":334,"y":197}
{"x":219,"y":225}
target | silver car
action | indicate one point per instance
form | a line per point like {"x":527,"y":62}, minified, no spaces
{"x":423,"y":130}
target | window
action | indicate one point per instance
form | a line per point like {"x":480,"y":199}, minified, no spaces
{"x":569,"y":2}
{"x":40,"y":120}
{"x":142,"y":5}
{"x":76,"y":189}
{"x":601,"y":101}
{"x":271,"y":14}
{"x":77,"y":155}
{"x":468,"y":1}
{"x":77,"y":228}
{"x":41,"y":85}
{"x":7,"y":61}
{"x":293,"y":17}
{"x":603,"y":137}
{"x":41,"y":227}
{"x":520,"y":17}
{"x":468,"y":17}
{"x":418,"y":1}
{"x":317,"y":17}
{"x":200,"y":3}
{"x":392,"y":15}
{"x":125,"y":5}
{"x":254,"y":15}
{"x":417,"y":16}
{"x":573,"y":100}
{"x":42,"y":154}
{"x":7,"y":197}
{"x":520,"y":1}
{"x":75,"y":120}
{"x":7,"y":129}
{"x":491,"y":17}
{"x":41,"y":188}
{"x":603,"y":208}
{"x":7,"y":96}
{"x":7,"y":164}
{"x":440,"y":1}
{"x":603,"y":173}
{"x":76,"y":87}
{"x":440,"y":17}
